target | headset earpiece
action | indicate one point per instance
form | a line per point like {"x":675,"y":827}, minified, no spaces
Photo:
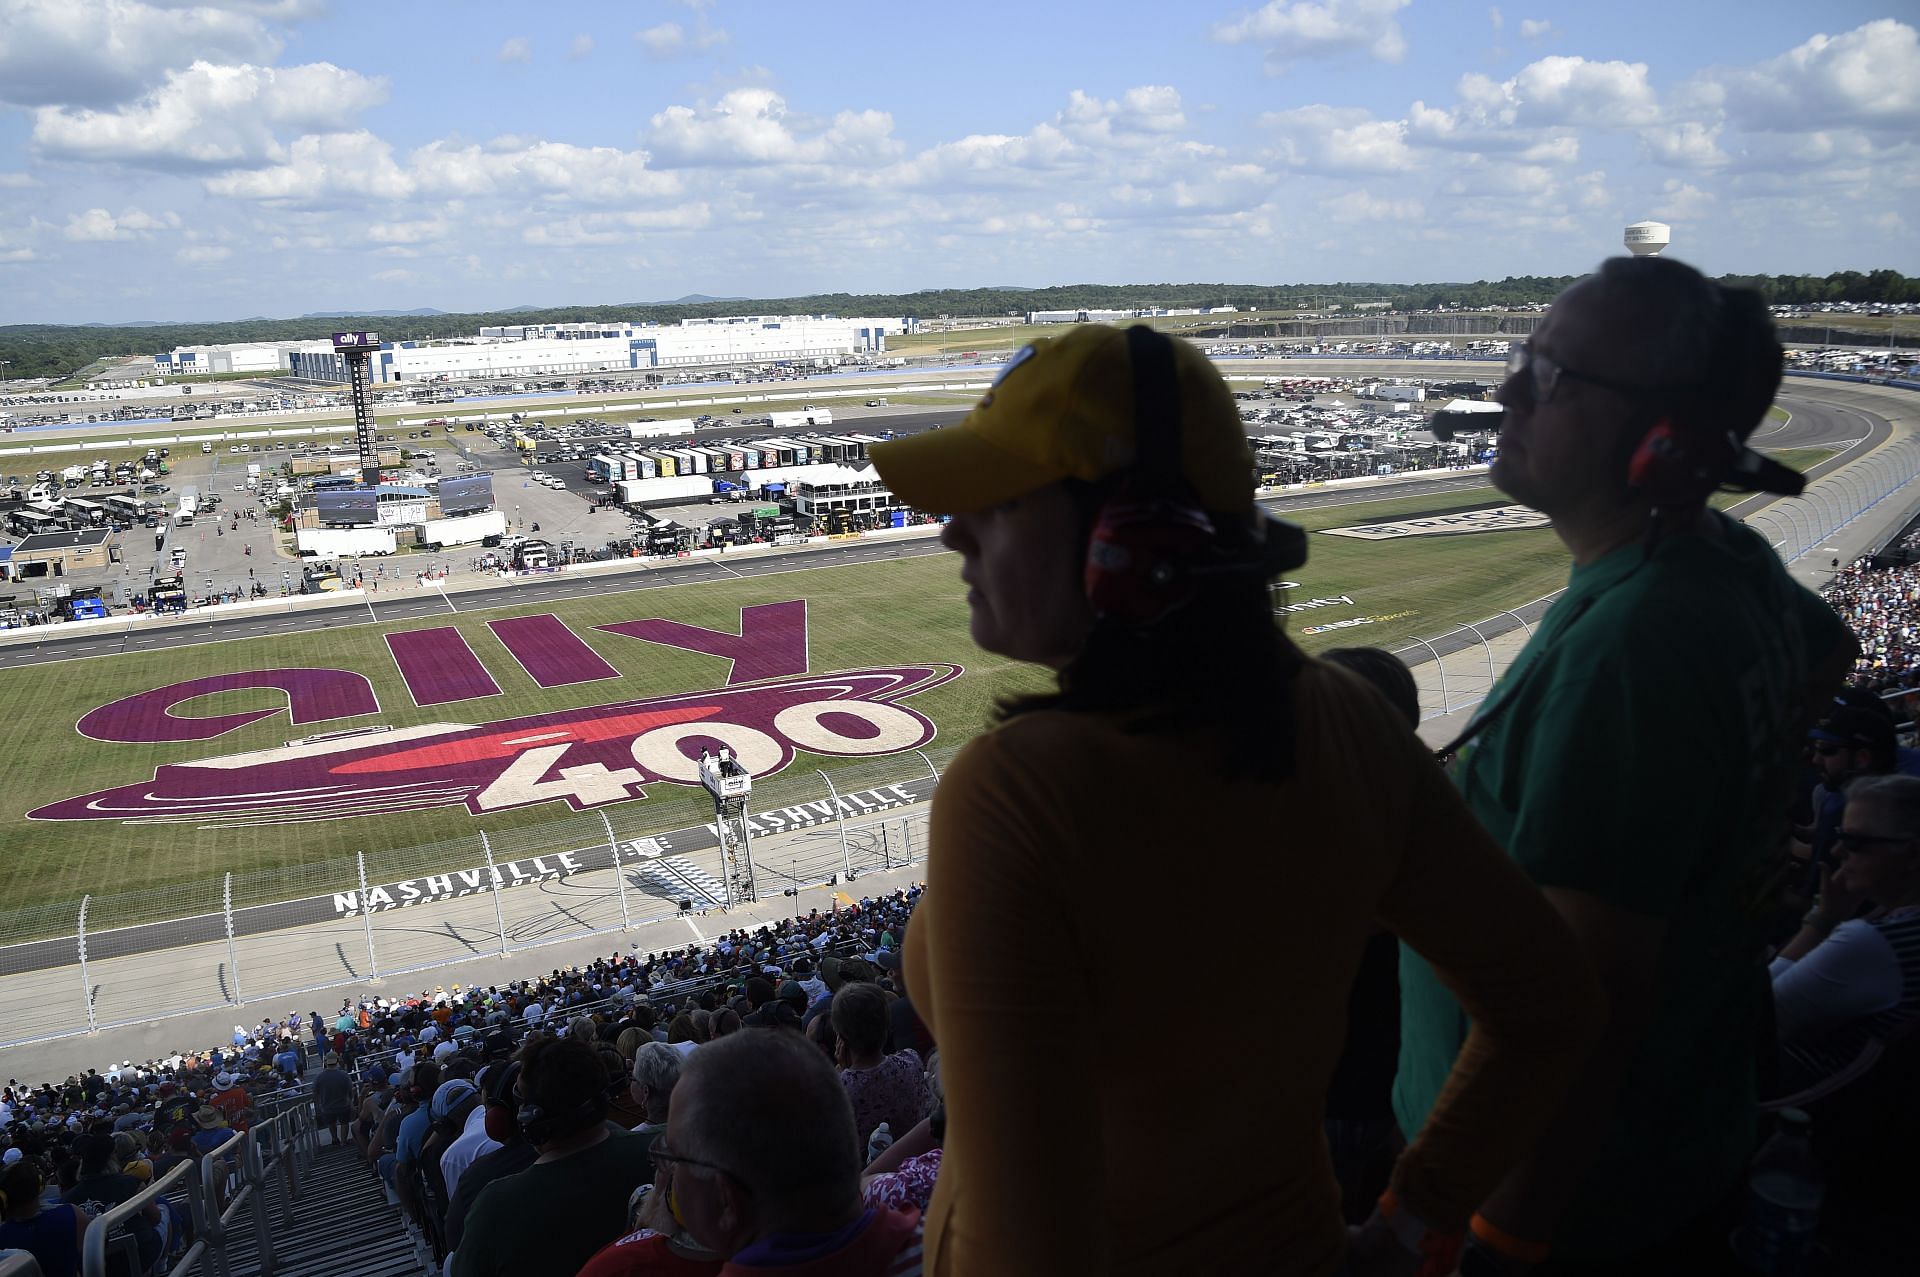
{"x":1149,"y":534}
{"x":1657,"y":458}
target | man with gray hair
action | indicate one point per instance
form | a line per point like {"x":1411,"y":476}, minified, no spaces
{"x":763,"y":1166}
{"x":656,"y":1071}
{"x":1849,"y":982}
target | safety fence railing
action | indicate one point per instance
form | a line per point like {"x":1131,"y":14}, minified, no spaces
{"x":1879,"y":486}
{"x":259,"y":1173}
{"x":106,"y":962}
{"x":1461,"y":666}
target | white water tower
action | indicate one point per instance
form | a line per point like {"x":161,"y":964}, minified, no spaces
{"x":1647,"y":239}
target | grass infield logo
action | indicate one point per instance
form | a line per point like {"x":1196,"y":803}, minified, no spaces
{"x":1355,"y":621}
{"x":1506,"y":518}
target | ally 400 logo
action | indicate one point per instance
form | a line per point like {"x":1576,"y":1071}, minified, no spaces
{"x":587,"y":757}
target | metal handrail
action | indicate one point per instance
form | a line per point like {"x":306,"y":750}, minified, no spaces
{"x":18,"y":1263}
{"x":198,"y":1256}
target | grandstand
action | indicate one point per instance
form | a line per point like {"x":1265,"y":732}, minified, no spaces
{"x":270,"y":1192}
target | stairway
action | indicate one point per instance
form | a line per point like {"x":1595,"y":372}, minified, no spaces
{"x":343,"y":1227}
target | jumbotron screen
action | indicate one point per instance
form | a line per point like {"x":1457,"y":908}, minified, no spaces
{"x":347,"y":505}
{"x":465,"y":496}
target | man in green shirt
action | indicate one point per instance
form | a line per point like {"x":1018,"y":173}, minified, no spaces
{"x":1634,"y":759}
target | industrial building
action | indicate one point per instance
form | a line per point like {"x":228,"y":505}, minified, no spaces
{"x":58,"y":553}
{"x":533,"y":350}
{"x":263,"y":357}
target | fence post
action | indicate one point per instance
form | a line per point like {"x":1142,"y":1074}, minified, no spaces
{"x":86,"y":985}
{"x":366,"y":916}
{"x":1439,"y":663}
{"x":493,"y":877}
{"x":1487,"y":647}
{"x":886,"y":846}
{"x":840,"y":818}
{"x":619,"y":874}
{"x":233,"y":956}
{"x":1524,"y":627}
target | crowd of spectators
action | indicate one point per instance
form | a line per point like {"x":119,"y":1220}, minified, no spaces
{"x":1881,"y":605}
{"x":465,"y":1060}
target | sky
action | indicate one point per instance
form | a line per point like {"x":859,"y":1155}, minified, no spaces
{"x":201,"y":161}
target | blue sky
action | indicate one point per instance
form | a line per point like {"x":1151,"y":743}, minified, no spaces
{"x":171,"y":160}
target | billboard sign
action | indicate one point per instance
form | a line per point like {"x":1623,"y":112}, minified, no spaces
{"x":356,"y":341}
{"x":347,"y":505}
{"x":466,"y":495}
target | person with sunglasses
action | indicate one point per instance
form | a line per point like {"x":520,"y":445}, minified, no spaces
{"x":1850,"y":742}
{"x":1636,"y":761}
{"x":1849,"y":981}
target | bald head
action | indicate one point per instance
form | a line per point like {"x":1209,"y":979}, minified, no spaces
{"x":769,"y":1107}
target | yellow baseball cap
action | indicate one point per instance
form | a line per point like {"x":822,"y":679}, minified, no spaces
{"x":1063,"y":408}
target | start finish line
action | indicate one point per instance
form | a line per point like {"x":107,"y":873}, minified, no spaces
{"x":555,"y":866}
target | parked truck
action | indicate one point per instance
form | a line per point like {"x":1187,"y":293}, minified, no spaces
{"x":802,"y":418}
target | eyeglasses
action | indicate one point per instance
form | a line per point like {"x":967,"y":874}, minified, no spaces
{"x":1539,"y":376}
{"x":1827,"y":749}
{"x":1860,"y":842}
{"x":664,"y":1158}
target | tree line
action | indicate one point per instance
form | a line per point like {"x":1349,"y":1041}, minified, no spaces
{"x":56,"y":350}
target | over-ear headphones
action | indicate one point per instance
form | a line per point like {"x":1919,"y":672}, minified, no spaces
{"x":1677,"y":464}
{"x":1152,"y":540}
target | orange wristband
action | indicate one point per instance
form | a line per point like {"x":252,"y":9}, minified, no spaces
{"x":1498,"y":1240}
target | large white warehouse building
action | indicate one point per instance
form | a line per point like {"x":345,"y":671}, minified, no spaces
{"x":561,"y":349}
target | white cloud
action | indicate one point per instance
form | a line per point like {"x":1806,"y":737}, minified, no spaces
{"x":1681,"y":202}
{"x":1535,"y":28}
{"x":1140,"y":114}
{"x":419,"y":231}
{"x":670,"y":39}
{"x":1688,"y":144}
{"x":517,"y":48}
{"x":97,"y":225}
{"x":1340,"y":140}
{"x":15,"y":256}
{"x":580,"y":47}
{"x":615,"y":228}
{"x":104,"y":52}
{"x":321,"y":166}
{"x":751,"y":127}
{"x":1868,"y":77}
{"x":1496,"y":18}
{"x":1293,"y":29}
{"x":211,"y":116}
{"x":1360,"y":205}
{"x":1571,"y":90}
{"x":202,"y":254}
{"x":17,"y":181}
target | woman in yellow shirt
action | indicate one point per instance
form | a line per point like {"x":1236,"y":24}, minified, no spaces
{"x":1196,"y":785}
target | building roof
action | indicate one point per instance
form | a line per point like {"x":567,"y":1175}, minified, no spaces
{"x":86,"y":538}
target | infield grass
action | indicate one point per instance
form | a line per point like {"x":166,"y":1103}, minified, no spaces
{"x":898,"y":611}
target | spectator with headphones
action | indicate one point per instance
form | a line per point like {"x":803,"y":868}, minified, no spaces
{"x":553,"y":1216}
{"x":1101,"y":496}
{"x":512,"y":1155}
{"x":1636,"y":760}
